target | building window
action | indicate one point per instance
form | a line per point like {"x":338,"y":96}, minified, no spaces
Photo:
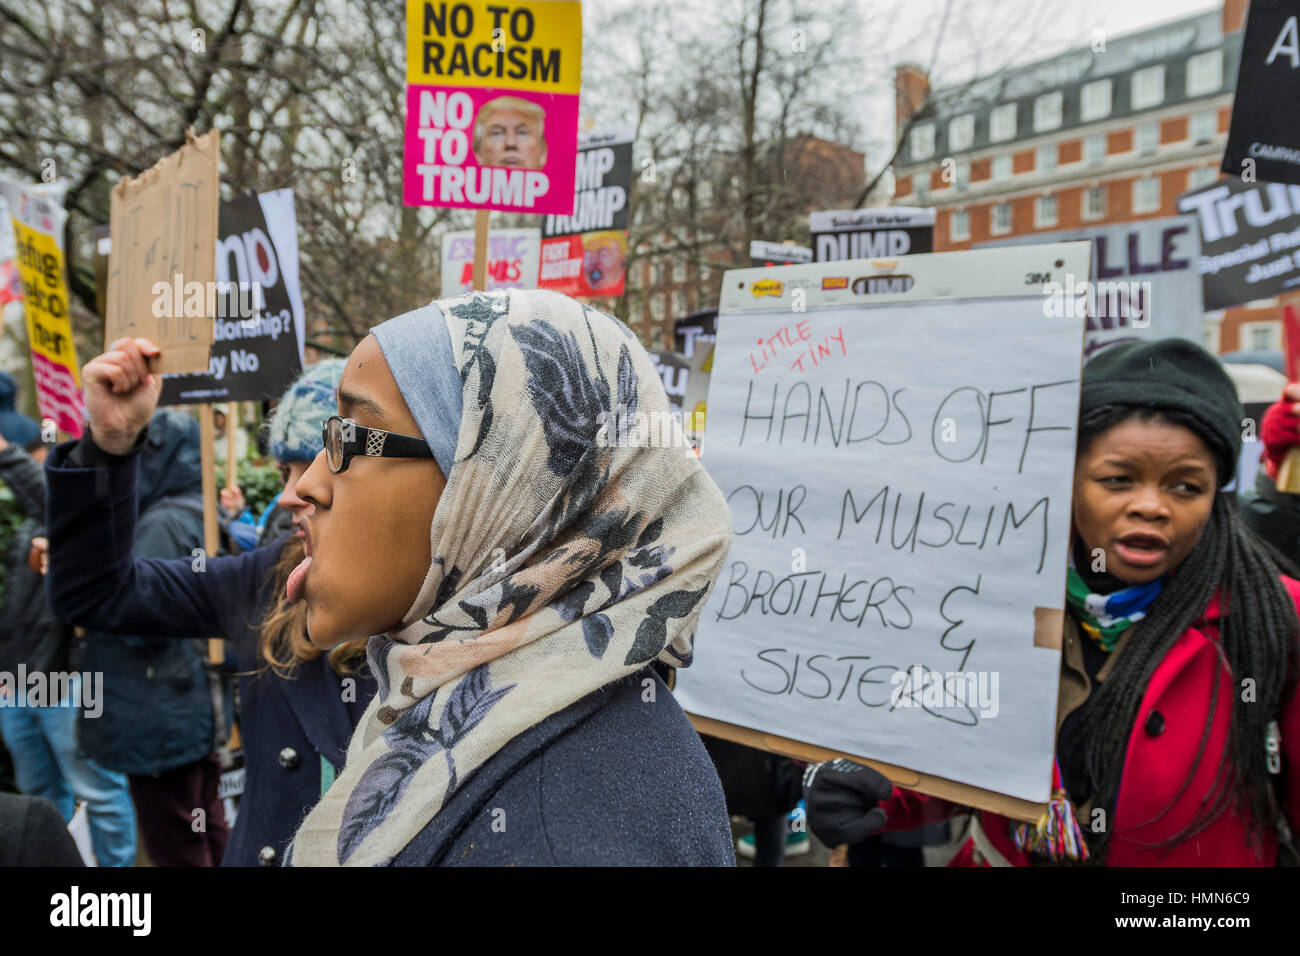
{"x":1094,"y":203}
{"x":1002,"y":122}
{"x":1211,"y":342}
{"x":961,"y":133}
{"x":679,"y":303}
{"x":1046,"y":160}
{"x":657,"y":307}
{"x":959,"y":226}
{"x":1146,"y":194}
{"x":1205,"y":126}
{"x":1096,"y":101}
{"x":1148,"y":87}
{"x":1202,"y":177}
{"x":1148,"y":138}
{"x":679,"y":271}
{"x":1001,"y":167}
{"x":921,"y":183}
{"x":656,"y":273}
{"x":1047,"y":111}
{"x":1094,"y":148}
{"x":1260,"y":335}
{"x":1001,"y":218}
{"x":1205,"y":72}
{"x":1045,"y":212}
{"x":923,"y":141}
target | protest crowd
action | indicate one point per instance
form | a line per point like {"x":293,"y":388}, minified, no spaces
{"x":968,"y":567}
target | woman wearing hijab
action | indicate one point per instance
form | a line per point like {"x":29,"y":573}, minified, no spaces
{"x":298,"y":704}
{"x":1178,"y":725}
{"x":521,"y":557}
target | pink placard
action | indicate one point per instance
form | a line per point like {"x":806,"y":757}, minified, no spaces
{"x":482,"y":148}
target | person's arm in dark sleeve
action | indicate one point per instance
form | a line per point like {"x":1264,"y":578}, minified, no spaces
{"x":96,"y":582}
{"x":25,"y":479}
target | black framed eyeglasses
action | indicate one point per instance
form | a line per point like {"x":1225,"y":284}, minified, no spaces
{"x":344,"y":438}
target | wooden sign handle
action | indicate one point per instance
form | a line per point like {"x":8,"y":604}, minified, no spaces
{"x":232,"y":462}
{"x":1288,"y":473}
{"x":211,"y":530}
{"x":480,"y":249}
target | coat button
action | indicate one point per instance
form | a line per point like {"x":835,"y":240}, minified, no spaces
{"x":1155,"y":724}
{"x":288,"y":758}
{"x":266,"y":856}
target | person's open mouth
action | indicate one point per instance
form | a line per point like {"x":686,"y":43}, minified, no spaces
{"x":594,"y":277}
{"x":1141,"y":549}
{"x":293,"y":588}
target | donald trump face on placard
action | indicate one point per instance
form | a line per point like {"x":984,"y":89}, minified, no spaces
{"x":510,"y":131}
{"x":604,"y":258}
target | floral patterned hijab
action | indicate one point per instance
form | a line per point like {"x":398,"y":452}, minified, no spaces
{"x":568,"y":552}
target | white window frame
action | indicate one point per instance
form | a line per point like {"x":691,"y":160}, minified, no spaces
{"x":922,"y":140}
{"x":956,"y":234}
{"x":1209,"y":119}
{"x":1096,"y":101}
{"x":1088,"y":212}
{"x":657,"y":307}
{"x":994,"y":228}
{"x":920,"y":183}
{"x":1153,"y":138}
{"x":1002,"y":122}
{"x":1046,"y":212}
{"x":1205,"y":72}
{"x":961,"y":132}
{"x":1248,"y":329}
{"x":1048,"y":110}
{"x":1094,"y":138}
{"x":1001,"y":162}
{"x":1046,"y":150}
{"x":1148,"y":89}
{"x":1201,"y":176}
{"x":679,"y":303}
{"x":1140,"y":206}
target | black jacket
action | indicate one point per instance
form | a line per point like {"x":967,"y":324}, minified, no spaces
{"x":158,"y":709}
{"x":1273,"y":515}
{"x":30,"y":634}
{"x":288,"y":726}
{"x":33,"y":834}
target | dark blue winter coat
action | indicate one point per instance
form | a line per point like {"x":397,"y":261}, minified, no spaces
{"x":288,"y":726}
{"x":619,"y":778}
{"x":159,"y":699}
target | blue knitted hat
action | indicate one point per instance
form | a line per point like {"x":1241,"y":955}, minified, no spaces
{"x":296,"y":423}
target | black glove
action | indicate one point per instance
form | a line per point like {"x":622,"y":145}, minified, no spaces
{"x":841,"y":798}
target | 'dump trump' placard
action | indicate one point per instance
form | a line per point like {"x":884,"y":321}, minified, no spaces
{"x":492,"y":104}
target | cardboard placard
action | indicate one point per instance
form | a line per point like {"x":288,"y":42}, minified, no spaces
{"x":1263,"y":136}
{"x":492,"y":104}
{"x":512,"y":260}
{"x":585,"y":254}
{"x":1250,"y":240}
{"x":1145,"y":283}
{"x":870,"y":233}
{"x":899,"y":473}
{"x":164,"y":226}
{"x":36,"y":222}
{"x":257,"y":350}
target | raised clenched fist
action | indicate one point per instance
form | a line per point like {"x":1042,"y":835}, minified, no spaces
{"x":121,"y":393}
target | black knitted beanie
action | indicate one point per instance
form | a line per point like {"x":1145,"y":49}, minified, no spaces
{"x":1169,"y":374}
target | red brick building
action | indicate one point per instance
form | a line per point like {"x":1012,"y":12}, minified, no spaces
{"x":1110,"y":132}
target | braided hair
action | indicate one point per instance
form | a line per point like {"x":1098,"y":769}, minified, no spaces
{"x":1258,"y":639}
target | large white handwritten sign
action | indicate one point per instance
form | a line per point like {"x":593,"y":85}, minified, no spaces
{"x":899,"y":479}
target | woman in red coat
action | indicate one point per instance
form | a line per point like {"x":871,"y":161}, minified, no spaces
{"x":1178,"y":725}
